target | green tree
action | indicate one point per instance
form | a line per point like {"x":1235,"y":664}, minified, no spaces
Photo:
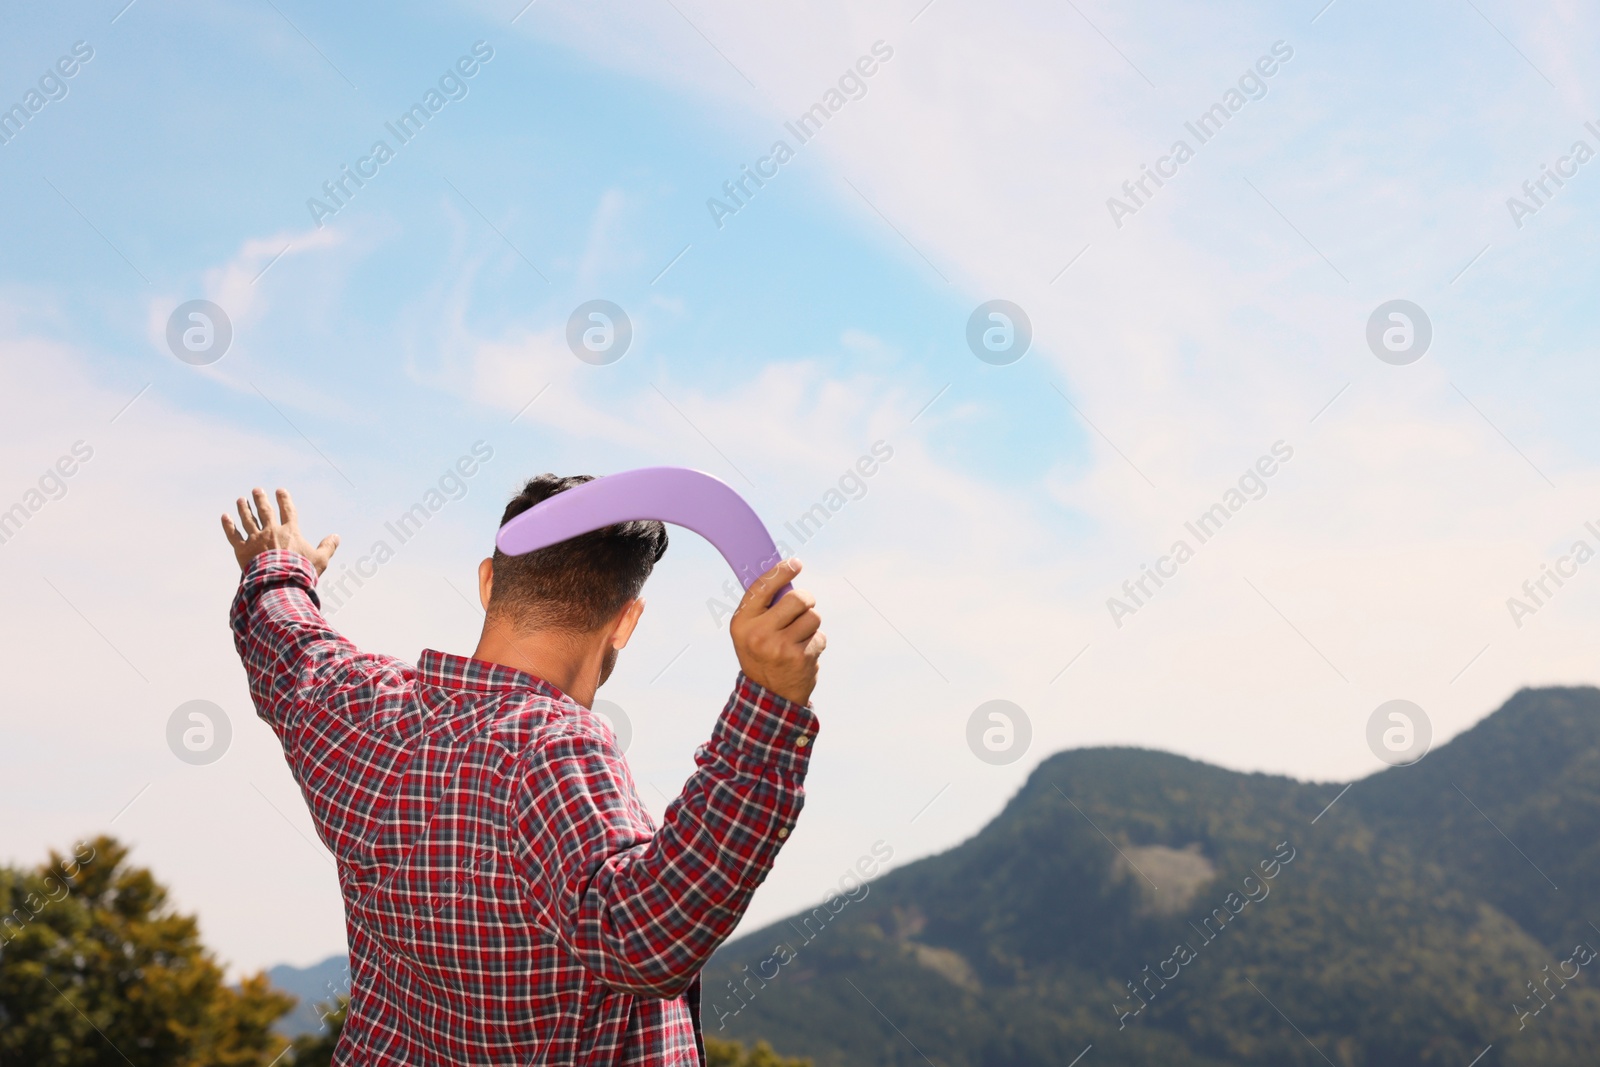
{"x":733,"y":1054}
{"x":97,"y":969}
{"x":316,"y":1050}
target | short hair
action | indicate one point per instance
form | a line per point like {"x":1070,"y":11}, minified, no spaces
{"x":579,"y":584}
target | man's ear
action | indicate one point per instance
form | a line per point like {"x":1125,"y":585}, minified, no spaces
{"x":623,"y":630}
{"x":485,"y":581}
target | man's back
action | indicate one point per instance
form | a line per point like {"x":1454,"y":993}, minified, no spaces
{"x":507,"y":896}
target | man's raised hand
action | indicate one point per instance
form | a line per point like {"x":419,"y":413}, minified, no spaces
{"x":264,"y":529}
{"x":778,"y":646}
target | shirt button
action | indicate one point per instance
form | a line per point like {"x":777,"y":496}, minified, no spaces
{"x":783,"y":831}
{"x":803,"y":742}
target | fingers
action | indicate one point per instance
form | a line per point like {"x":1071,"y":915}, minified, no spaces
{"x":760,"y":593}
{"x":800,"y":630}
{"x":794,"y":604}
{"x":286,"y":512}
{"x":323,"y":553}
{"x":268,"y":517}
{"x":235,"y":538}
{"x":778,"y":644}
{"x":247,"y":518}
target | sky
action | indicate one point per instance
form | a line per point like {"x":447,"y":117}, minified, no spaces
{"x":1176,"y":341}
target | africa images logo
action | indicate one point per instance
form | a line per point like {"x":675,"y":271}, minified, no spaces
{"x":1252,"y":85}
{"x":452,"y":86}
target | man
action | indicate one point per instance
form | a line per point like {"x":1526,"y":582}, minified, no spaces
{"x":508,"y":899}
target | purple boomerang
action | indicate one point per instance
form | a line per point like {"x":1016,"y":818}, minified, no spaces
{"x":689,"y":498}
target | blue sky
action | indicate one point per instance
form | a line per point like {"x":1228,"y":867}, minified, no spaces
{"x":1168,"y":354}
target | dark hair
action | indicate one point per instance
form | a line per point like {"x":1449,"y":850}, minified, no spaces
{"x":579,"y":584}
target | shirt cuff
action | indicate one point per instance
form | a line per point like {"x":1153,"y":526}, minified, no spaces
{"x":761,"y":729}
{"x":279,"y":566}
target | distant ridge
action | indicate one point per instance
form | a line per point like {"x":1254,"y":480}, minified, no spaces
{"x":1414,"y":924}
{"x":318,"y":983}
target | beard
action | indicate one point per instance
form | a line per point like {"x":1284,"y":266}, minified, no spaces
{"x":607,"y":664}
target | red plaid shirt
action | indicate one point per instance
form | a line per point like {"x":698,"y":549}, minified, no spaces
{"x":508,"y":898}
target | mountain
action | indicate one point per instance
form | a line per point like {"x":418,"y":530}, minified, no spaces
{"x":316,"y":984}
{"x":1167,"y":912}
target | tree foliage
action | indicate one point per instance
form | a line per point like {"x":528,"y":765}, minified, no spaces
{"x":316,"y":1050}
{"x":98,"y":970}
{"x":733,"y":1054}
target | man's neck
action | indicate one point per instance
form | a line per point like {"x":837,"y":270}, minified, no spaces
{"x":569,"y":663}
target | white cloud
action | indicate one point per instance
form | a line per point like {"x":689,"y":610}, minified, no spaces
{"x":236,"y":285}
